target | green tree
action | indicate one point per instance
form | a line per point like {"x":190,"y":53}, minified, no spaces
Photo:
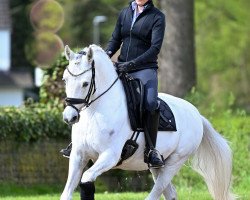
{"x":222,"y":48}
{"x":21,"y":32}
{"x":80,"y":17}
{"x":177,"y":61}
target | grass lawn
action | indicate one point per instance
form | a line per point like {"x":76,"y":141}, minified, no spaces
{"x":113,"y":196}
{"x":183,"y":194}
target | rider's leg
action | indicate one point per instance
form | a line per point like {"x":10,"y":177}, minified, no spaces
{"x":151,"y":117}
{"x":151,"y":122}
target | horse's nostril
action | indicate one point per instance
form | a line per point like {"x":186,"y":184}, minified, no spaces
{"x":75,"y":118}
{"x":66,"y":120}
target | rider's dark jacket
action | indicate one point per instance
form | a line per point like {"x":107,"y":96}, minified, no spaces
{"x":141,"y":43}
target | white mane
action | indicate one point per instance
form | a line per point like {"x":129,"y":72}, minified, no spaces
{"x":103,"y":62}
{"x":96,"y":48}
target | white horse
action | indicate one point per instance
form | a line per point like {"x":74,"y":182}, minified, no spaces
{"x":101,"y":129}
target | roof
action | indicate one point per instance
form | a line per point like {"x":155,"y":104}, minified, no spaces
{"x":5,"y":19}
{"x":17,"y":79}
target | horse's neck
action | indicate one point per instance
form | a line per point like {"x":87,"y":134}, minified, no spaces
{"x":105,"y":77}
{"x":105,"y":72}
{"x":110,"y":110}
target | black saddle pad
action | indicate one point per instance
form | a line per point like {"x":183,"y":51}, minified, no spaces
{"x":167,"y":120}
{"x":134,"y":92}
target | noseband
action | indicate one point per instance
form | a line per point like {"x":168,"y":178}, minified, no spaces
{"x":86,"y":101}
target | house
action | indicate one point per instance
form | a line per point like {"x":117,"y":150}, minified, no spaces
{"x":13,"y":84}
{"x":5,"y":35}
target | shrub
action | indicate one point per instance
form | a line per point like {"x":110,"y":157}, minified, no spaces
{"x":32,"y":122}
{"x":52,"y":88}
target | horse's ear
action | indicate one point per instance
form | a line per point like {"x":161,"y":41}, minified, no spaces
{"x":90,"y":54}
{"x":68,"y":53}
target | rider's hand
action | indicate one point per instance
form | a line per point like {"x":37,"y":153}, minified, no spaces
{"x":109,"y":53}
{"x":124,"y":67}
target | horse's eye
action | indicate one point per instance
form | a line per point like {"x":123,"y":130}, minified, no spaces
{"x":85,"y":84}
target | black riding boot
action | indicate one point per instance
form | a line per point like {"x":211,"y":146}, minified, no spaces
{"x":152,"y":156}
{"x":66,"y":152}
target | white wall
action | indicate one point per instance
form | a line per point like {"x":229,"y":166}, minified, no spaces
{"x":4,"y":50}
{"x":38,"y":76}
{"x":11,"y":97}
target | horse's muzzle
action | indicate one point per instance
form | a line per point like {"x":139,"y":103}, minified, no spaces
{"x":74,"y":120}
{"x":70,"y":115}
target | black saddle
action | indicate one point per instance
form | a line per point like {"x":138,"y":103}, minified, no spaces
{"x":134,"y":93}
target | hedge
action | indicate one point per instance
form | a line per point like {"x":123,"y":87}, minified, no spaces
{"x":32,"y":122}
{"x":43,"y":120}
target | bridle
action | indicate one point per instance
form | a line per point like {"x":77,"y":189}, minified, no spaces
{"x":92,"y":89}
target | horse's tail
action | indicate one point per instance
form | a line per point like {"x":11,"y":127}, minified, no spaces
{"x":213,"y":161}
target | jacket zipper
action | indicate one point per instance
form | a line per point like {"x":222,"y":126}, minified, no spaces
{"x":129,"y":43}
{"x":130,"y":33}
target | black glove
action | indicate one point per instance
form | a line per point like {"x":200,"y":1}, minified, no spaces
{"x":124,"y":67}
{"x":109,"y":53}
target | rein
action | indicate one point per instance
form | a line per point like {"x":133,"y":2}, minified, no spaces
{"x":71,"y":101}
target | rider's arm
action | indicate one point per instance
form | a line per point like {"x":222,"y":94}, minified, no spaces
{"x":116,"y":38}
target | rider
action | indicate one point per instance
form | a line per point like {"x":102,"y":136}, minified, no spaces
{"x":140,"y":31}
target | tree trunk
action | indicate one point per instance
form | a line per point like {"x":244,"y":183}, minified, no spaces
{"x":177,"y":74}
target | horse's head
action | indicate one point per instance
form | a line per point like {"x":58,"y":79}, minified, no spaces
{"x":79,"y":78}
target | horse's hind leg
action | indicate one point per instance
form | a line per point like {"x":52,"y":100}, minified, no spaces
{"x":169,"y":192}
{"x":165,"y":175}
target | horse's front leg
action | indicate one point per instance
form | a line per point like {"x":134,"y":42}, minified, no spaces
{"x":106,"y":160}
{"x":76,"y":164}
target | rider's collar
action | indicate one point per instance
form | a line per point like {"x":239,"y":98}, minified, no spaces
{"x":134,"y":5}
